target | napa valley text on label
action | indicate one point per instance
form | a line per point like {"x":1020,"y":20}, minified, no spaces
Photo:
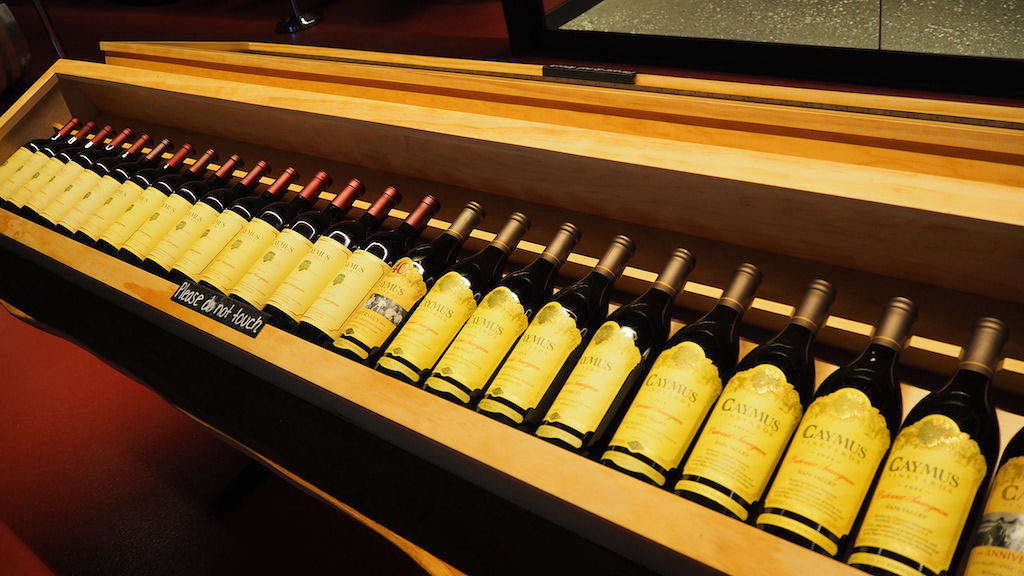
{"x":231,"y":313}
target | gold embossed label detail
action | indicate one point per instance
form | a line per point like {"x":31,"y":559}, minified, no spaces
{"x":159,"y":223}
{"x":134,"y":216}
{"x":385,"y":309}
{"x":535,"y":361}
{"x":310,"y":276}
{"x":594,"y":381}
{"x":432,"y":326}
{"x":16,"y":161}
{"x":924,"y":494}
{"x":272,"y":267}
{"x":999,"y":541}
{"x":20,"y":175}
{"x":827,"y":471}
{"x":670,"y":406}
{"x":173,"y":245}
{"x":81,"y":200}
{"x":483,"y":342}
{"x":210,"y":243}
{"x":345,"y":292}
{"x":746,"y":433}
{"x":52,"y":190}
{"x":238,"y":256}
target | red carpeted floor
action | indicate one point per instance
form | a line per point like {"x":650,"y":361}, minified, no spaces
{"x":102,"y":477}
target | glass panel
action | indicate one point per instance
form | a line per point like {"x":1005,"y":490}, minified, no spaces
{"x":990,"y":28}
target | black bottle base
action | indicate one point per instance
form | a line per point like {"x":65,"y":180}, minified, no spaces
{"x":126,"y":256}
{"x":310,"y":333}
{"x":105,"y":247}
{"x":707,"y":503}
{"x":154,"y":268}
{"x":28,"y":213}
{"x":63,"y":231}
{"x":398,"y":375}
{"x":794,"y":538}
{"x":84,"y":239}
{"x":278,"y":317}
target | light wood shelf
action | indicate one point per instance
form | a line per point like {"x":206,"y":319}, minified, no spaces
{"x":926,"y":209}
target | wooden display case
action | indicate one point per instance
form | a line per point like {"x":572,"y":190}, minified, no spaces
{"x":882,"y":196}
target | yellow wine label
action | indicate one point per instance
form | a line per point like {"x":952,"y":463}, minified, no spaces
{"x":14,"y":182}
{"x":483,"y":342}
{"x":35,"y":183}
{"x":829,"y":466}
{"x":745,"y":435}
{"x":668,"y":409}
{"x":433,"y":325}
{"x":134,"y":216}
{"x":999,"y":541}
{"x":67,"y":202}
{"x":272,"y":267}
{"x":346,"y":292}
{"x":211,"y":241}
{"x":13,"y":163}
{"x":240,"y":254}
{"x":115,"y":198}
{"x":185,"y":233}
{"x":159,"y":223}
{"x":925,"y":492}
{"x":534,"y":362}
{"x":310,"y":276}
{"x":593,"y":383}
{"x":52,"y":189}
{"x":388,"y":305}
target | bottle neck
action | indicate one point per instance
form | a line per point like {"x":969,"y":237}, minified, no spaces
{"x":445,"y":248}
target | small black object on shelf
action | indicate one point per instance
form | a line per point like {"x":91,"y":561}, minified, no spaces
{"x":299,"y":20}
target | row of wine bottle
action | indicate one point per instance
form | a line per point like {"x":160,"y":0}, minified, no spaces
{"x":752,"y":440}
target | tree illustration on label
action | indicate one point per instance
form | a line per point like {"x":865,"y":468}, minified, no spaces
{"x":235,"y":245}
{"x":154,"y":216}
{"x":338,"y":279}
{"x":89,"y":193}
{"x":180,"y":225}
{"x":268,"y":256}
{"x":304,"y":265}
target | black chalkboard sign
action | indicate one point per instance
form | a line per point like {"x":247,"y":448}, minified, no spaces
{"x":219,"y":307}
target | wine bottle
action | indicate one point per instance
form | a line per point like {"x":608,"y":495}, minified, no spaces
{"x":604,"y":381}
{"x":997,"y":549}
{"x":225,"y":225}
{"x":38,"y":169}
{"x":31,"y":195}
{"x":321,"y":324}
{"x":155,"y":215}
{"x":109,"y":197}
{"x":538,"y":365}
{"x":170,"y":213}
{"x":324,"y":260}
{"x":55,"y":198}
{"x":448,"y":305}
{"x":465,"y":369}
{"x":839,"y":445}
{"x":26,"y":151}
{"x":936,"y":476}
{"x":257,"y":235}
{"x":742,"y":442}
{"x":137,"y":198}
{"x":80,"y":193}
{"x":396,"y":295}
{"x":290,"y":247}
{"x":202,"y":213}
{"x":683,"y":384}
